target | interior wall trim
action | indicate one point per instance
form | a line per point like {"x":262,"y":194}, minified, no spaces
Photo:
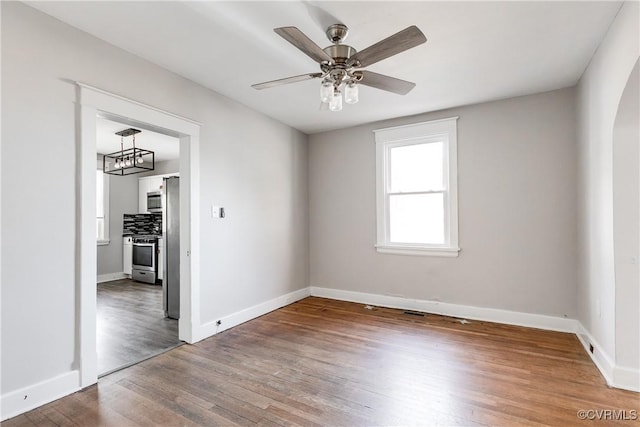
{"x":615,"y":375}
{"x":94,"y":103}
{"x":234,"y":319}
{"x":626,"y":378}
{"x":516,"y":318}
{"x":600,"y":358}
{"x":32,"y":396}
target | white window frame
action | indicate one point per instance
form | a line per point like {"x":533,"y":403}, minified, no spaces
{"x":444,"y":130}
{"x":105,"y":203}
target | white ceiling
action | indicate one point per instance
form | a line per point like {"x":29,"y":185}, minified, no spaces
{"x":476,"y":51}
{"x":164,"y":147}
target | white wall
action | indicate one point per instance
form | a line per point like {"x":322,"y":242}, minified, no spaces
{"x":123,"y":199}
{"x":263,"y":240}
{"x":517,"y":209}
{"x":251,"y":164}
{"x":599,"y":93}
{"x":164,"y":167}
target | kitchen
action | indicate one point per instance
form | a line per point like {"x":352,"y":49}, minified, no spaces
{"x":138,"y":244}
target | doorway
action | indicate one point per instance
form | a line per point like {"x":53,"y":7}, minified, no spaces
{"x":134,"y":321}
{"x":94,"y":104}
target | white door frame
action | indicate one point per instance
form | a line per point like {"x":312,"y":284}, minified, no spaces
{"x":94,"y":103}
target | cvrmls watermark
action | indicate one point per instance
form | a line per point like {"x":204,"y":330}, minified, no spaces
{"x":608,"y":414}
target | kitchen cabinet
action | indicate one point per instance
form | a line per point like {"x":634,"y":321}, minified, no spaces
{"x":147,"y":184}
{"x":127,"y":255}
{"x":160,"y":259}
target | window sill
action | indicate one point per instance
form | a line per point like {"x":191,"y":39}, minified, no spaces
{"x":103,"y":242}
{"x":412,"y":250}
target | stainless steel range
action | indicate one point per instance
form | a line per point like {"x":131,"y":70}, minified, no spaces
{"x":145,"y":259}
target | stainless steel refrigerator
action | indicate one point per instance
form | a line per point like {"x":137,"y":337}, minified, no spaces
{"x":171,"y":250}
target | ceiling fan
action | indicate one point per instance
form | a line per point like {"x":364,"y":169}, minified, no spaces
{"x":341,"y":64}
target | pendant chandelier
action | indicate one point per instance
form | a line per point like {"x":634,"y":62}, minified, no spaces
{"x":129,"y":161}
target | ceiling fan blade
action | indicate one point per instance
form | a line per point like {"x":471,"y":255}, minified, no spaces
{"x":286,"y":80}
{"x":304,"y":43}
{"x":399,"y":42}
{"x":390,"y":84}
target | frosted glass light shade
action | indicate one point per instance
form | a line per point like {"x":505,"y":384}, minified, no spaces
{"x":326,"y":91}
{"x":336,"y":101}
{"x":351,"y":93}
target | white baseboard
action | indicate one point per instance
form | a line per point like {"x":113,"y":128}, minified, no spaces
{"x":25,"y":399}
{"x":454,"y":310}
{"x":31,"y":397}
{"x":28,"y":398}
{"x":600,"y":358}
{"x":615,"y":376}
{"x":626,"y":378}
{"x":111,"y":276}
{"x":211,"y":328}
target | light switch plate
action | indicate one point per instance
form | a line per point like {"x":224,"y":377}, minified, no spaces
{"x":217,"y":211}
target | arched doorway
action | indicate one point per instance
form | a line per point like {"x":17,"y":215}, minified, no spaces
{"x":626,"y":229}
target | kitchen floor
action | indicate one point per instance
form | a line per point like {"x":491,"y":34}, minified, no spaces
{"x":131,"y":325}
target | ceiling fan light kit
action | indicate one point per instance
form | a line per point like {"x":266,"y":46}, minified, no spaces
{"x":351,"y":93}
{"x":340,"y":63}
{"x":336,"y":101}
{"x":326,"y":90}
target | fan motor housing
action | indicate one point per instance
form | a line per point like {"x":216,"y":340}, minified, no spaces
{"x":340,"y":52}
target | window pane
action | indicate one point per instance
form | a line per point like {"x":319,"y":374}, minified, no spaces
{"x":99,"y":194}
{"x":417,"y":167}
{"x":416,"y":218}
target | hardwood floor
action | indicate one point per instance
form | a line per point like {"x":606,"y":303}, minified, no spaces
{"x":131,"y":325}
{"x":326,"y":362}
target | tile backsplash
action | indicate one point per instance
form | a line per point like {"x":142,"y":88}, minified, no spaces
{"x":137,"y":224}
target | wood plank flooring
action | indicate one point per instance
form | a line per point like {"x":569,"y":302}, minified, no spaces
{"x":131,"y":325}
{"x":322,"y":362}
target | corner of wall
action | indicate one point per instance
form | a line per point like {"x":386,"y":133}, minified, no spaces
{"x":615,"y":376}
{"x":211,"y":328}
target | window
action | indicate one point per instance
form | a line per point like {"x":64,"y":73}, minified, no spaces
{"x":102,"y":207}
{"x":417,"y":206}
